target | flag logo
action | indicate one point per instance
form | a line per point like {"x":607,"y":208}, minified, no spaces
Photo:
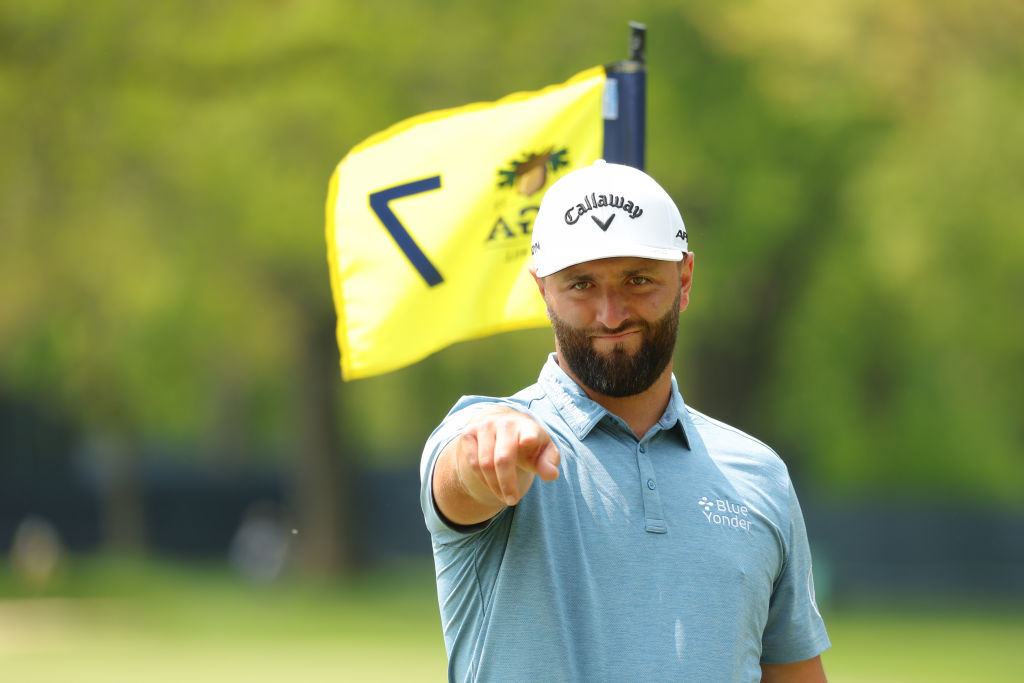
{"x":529,"y":175}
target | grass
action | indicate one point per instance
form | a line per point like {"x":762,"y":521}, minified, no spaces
{"x":907,"y":642}
{"x":118,"y":621}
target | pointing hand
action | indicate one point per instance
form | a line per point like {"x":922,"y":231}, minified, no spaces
{"x":499,"y":453}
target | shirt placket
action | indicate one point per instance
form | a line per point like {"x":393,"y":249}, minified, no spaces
{"x":654,"y":518}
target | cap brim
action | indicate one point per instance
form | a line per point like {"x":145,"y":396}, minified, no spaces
{"x":602,"y":251}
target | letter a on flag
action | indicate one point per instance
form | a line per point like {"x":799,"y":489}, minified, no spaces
{"x":429,"y":221}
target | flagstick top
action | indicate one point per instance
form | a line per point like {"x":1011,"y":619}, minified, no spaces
{"x":637,"y":41}
{"x":625,"y":109}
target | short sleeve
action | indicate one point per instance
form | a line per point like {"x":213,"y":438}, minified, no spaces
{"x":795,"y":630}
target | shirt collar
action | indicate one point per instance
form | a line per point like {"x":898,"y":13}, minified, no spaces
{"x":582,"y":413}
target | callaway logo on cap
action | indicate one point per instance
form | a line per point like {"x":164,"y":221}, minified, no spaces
{"x":605,"y":210}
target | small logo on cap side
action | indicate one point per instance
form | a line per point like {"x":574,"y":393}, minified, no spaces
{"x":596,"y":201}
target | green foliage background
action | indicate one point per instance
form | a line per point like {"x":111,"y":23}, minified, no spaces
{"x":850,"y":174}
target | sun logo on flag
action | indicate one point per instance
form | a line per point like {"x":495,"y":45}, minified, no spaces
{"x":529,"y":174}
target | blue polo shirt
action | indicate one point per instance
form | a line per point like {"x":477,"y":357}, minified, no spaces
{"x":681,"y":556}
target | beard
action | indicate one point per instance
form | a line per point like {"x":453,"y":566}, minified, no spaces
{"x":618,"y":373}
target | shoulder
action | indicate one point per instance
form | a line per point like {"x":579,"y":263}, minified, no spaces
{"x":530,"y":395}
{"x":734,"y":447}
{"x":521,"y":400}
{"x":725,"y":434}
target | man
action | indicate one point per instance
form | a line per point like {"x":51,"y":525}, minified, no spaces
{"x":659,"y":544}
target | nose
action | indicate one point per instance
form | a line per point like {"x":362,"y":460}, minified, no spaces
{"x":612,"y":310}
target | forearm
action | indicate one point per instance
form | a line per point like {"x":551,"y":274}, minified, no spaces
{"x":807,"y":671}
{"x":461,"y":502}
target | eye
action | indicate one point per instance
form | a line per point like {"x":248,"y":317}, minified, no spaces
{"x":639,"y":280}
{"x":579,"y":285}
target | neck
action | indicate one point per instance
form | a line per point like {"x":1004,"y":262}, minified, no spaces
{"x":639,"y":411}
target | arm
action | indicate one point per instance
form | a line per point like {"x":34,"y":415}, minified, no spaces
{"x":807,"y":671}
{"x":492,"y":464}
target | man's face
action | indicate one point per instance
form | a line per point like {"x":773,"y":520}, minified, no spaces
{"x":615,"y":322}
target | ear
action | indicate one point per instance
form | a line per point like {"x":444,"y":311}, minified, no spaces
{"x":538,"y":280}
{"x":685,"y":280}
{"x":542,"y":289}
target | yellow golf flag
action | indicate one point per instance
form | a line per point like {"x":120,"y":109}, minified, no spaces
{"x":429,"y":221}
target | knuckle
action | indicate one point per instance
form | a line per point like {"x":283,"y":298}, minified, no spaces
{"x":467,"y":441}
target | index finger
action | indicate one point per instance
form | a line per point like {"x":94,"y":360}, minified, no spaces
{"x":538,"y":453}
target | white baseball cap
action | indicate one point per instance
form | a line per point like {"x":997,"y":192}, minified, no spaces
{"x":605,"y":210}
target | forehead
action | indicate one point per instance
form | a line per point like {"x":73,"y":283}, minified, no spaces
{"x":618,"y":266}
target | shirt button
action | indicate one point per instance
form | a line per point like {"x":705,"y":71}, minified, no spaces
{"x":643,"y":449}
{"x":650,"y":484}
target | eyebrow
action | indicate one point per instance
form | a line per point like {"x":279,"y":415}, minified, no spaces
{"x":587,"y":275}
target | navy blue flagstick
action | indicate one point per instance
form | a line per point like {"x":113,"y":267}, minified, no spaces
{"x":624,"y":108}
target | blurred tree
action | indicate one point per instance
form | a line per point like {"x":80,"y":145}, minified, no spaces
{"x":160,"y":286}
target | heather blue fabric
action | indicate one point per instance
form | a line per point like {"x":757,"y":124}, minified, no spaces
{"x":681,"y":556}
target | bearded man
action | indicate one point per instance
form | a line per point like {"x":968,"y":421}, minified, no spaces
{"x":660,"y":544}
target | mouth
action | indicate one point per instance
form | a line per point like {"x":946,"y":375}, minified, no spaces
{"x":617,"y":338}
